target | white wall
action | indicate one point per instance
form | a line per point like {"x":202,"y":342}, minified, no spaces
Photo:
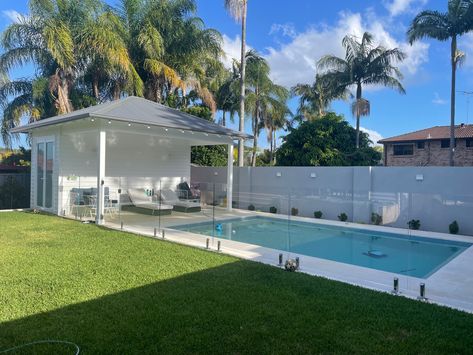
{"x":133,"y":160}
{"x":445,"y":194}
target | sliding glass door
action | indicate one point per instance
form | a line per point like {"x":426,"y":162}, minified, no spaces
{"x":44,"y":174}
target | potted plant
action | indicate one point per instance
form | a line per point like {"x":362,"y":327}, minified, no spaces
{"x":318,"y":214}
{"x":414,"y":224}
{"x":290,"y":265}
{"x":273,"y":209}
{"x":251,"y":208}
{"x":343,"y":217}
{"x":294,"y":211}
{"x":454,"y":228}
{"x":376,"y":219}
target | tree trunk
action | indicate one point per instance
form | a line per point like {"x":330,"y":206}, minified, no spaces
{"x":116,"y":92}
{"x":62,"y":102}
{"x":255,"y":139}
{"x":358,"y":97}
{"x":271,"y":148}
{"x":274,"y":147}
{"x":95,"y":88}
{"x":242,"y":84}
{"x":452,"y":100}
{"x":224,"y":122}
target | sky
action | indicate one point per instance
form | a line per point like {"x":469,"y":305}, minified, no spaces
{"x":293,"y":35}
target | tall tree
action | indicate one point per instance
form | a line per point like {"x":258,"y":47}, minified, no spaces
{"x":275,"y":119}
{"x":364,"y":64}
{"x":327,"y":141}
{"x":237,"y":9}
{"x":314,"y":99}
{"x":227,"y":95}
{"x":263,"y":96}
{"x":446,"y":26}
{"x":56,"y":37}
{"x":170,"y":47}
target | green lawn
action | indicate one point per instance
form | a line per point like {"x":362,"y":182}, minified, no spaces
{"x":113,"y":292}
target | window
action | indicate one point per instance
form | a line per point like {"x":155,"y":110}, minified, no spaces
{"x":403,"y":149}
{"x":421,"y":145}
{"x":469,"y":142}
{"x":445,"y":143}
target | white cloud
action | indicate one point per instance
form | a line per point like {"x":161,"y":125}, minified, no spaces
{"x":287,"y":29}
{"x":295,"y":62}
{"x":13,"y":15}
{"x":398,"y":7}
{"x":465,"y":44}
{"x":232,"y":49}
{"x":373,"y":135}
{"x":437,"y":100}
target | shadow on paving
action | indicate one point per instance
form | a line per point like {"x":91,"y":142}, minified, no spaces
{"x":244,"y":307}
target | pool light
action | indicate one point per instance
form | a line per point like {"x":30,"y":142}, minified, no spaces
{"x":207,"y":242}
{"x":218,"y":245}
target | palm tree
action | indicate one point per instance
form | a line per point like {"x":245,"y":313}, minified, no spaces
{"x":363,"y":65}
{"x":57,"y":37}
{"x":316,"y":98}
{"x":227,"y":94}
{"x":275,"y":119}
{"x":170,"y":48}
{"x":446,"y":26}
{"x":263,"y":96}
{"x":237,"y":9}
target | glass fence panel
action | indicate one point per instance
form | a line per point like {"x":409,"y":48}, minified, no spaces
{"x":441,"y":246}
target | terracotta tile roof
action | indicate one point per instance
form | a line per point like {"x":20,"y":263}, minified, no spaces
{"x":437,"y":132}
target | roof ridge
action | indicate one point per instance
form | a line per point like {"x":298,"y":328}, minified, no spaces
{"x":112,"y":104}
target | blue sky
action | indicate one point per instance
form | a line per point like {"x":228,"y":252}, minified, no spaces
{"x":294,"y":35}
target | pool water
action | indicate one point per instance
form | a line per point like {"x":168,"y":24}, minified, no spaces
{"x":397,"y":253}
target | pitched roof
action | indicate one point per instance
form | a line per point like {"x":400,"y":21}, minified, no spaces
{"x":437,"y":132}
{"x":138,"y":110}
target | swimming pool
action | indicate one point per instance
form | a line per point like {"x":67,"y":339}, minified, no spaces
{"x":397,"y":253}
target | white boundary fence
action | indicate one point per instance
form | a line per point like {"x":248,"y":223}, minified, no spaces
{"x":434,"y":195}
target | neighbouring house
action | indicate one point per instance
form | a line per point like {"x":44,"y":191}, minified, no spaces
{"x":131,"y":143}
{"x":429,"y":147}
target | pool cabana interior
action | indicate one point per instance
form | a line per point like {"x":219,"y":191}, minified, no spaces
{"x":130,"y":157}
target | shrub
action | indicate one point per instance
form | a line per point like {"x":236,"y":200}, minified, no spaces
{"x":318,"y":214}
{"x":343,"y":217}
{"x":376,"y":219}
{"x":273,"y":209}
{"x":453,"y":227}
{"x":414,"y":224}
{"x":294,"y":211}
{"x":251,"y":208}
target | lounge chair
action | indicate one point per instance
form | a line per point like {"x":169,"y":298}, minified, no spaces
{"x":142,"y":203}
{"x":170,"y":197}
{"x":186,"y":192}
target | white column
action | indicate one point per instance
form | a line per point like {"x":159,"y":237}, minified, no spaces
{"x":102,"y":140}
{"x":230,"y":177}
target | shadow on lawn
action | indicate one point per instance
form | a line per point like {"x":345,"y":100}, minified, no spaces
{"x":243,"y":307}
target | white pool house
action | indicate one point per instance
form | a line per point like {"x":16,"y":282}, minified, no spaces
{"x":84,"y":161}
